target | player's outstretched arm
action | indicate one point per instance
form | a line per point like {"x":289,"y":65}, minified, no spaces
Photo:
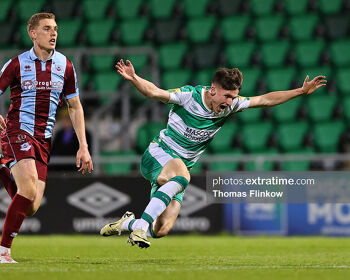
{"x":147,"y":88}
{"x":279,"y":97}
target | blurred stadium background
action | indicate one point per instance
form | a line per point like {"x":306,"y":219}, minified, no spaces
{"x":275,"y":43}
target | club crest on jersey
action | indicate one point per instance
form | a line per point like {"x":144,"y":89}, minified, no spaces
{"x":58,"y":69}
{"x":27,"y":68}
{"x":25,"y":147}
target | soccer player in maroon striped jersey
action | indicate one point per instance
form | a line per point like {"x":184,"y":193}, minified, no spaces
{"x":38,"y":79}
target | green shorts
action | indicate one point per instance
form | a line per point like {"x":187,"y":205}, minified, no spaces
{"x":153,"y":160}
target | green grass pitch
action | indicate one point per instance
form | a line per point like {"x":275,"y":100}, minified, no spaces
{"x":179,"y":257}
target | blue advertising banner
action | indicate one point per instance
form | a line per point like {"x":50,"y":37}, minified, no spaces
{"x":319,"y":219}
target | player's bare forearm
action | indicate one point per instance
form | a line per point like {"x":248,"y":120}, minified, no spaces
{"x":150,"y":90}
{"x":279,"y":97}
{"x":76,"y":114}
{"x":147,"y":88}
{"x":274,"y":98}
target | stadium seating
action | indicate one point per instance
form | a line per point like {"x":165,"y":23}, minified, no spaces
{"x":200,"y":29}
{"x":167,"y":30}
{"x":172,"y":55}
{"x":255,"y":136}
{"x":132,"y":31}
{"x":146,"y":133}
{"x":320,"y":108}
{"x":301,"y":165}
{"x":280,"y":79}
{"x":287,"y":112}
{"x":239,"y":54}
{"x":195,"y":8}
{"x":327,"y":136}
{"x":226,"y":166}
{"x":203,"y":77}
{"x":224,"y":140}
{"x":118,"y":168}
{"x":291,"y":135}
{"x":295,"y":7}
{"x":161,"y":9}
{"x":99,"y":32}
{"x":26,"y":8}
{"x":302,"y":26}
{"x":340,"y":52}
{"x":127,"y":9}
{"x":330,"y":7}
{"x":337,"y":26}
{"x":175,"y":78}
{"x":274,"y":53}
{"x":250,"y":79}
{"x":236,"y":34}
{"x":250,"y":116}
{"x":63,"y":9}
{"x":260,"y":8}
{"x":68,"y":32}
{"x":266,"y":166}
{"x":275,"y":43}
{"x":308,"y":52}
{"x":95,"y":9}
{"x":5,"y":6}
{"x":268,"y":27}
{"x":343,"y":78}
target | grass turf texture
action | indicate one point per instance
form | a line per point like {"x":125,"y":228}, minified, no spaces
{"x":184,"y":257}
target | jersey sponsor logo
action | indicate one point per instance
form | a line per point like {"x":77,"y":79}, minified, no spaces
{"x":27,"y":85}
{"x":198,"y":135}
{"x":25,"y":147}
{"x":40,"y":85}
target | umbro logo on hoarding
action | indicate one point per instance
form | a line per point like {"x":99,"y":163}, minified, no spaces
{"x":98,"y":199}
{"x":194,"y":200}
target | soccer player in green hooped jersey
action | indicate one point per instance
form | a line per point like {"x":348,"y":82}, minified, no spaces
{"x":197,"y":115}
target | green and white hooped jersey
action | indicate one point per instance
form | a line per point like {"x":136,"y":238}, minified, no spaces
{"x":192,"y":125}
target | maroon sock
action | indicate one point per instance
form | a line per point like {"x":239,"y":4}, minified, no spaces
{"x":14,"y":219}
{"x":6,"y":180}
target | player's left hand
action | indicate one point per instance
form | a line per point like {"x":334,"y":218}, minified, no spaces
{"x":84,"y":161}
{"x":316,"y":83}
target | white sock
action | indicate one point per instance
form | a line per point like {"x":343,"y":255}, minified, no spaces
{"x":140,"y":224}
{"x":5,"y":251}
{"x":157,"y":206}
{"x":125,"y":224}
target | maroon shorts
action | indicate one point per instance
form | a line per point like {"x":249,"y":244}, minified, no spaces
{"x":17,"y":145}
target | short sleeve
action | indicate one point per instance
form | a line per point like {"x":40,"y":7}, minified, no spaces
{"x":181,"y":95}
{"x":7,"y":74}
{"x":241,"y":103}
{"x":70,"y":88}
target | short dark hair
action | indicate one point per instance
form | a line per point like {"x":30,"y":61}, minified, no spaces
{"x":229,"y":79}
{"x":34,"y":20}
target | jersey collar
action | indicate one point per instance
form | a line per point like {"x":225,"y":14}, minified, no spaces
{"x":204,"y":104}
{"x":33,"y":56}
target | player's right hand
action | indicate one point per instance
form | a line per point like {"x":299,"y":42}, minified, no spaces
{"x":2,"y":123}
{"x":127,"y":70}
